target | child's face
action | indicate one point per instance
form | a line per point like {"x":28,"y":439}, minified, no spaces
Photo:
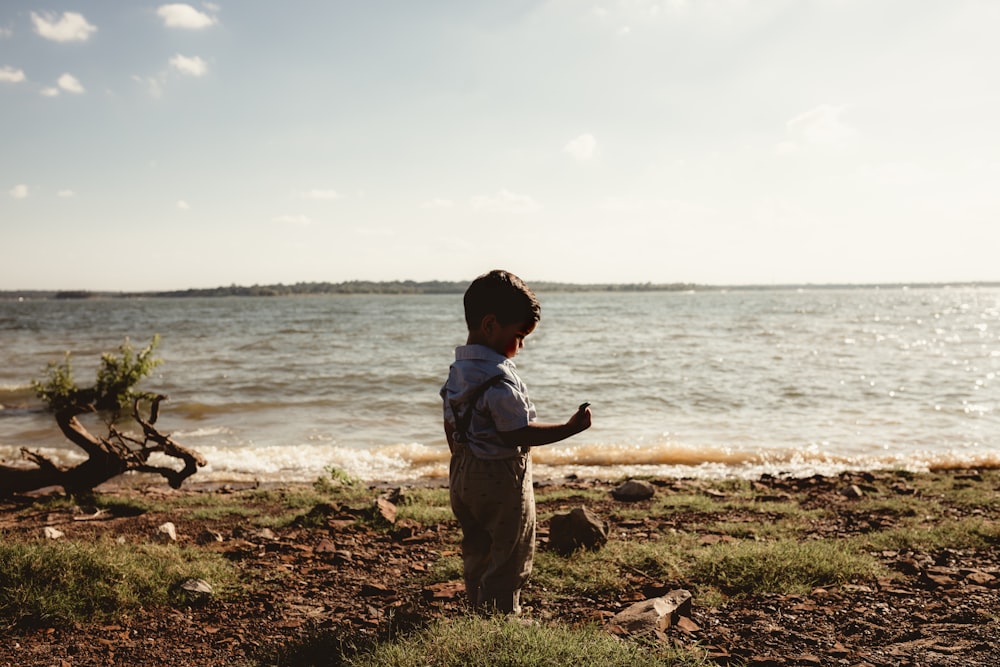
{"x":508,"y":339}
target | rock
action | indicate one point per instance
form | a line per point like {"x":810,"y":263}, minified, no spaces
{"x":405,"y":530}
{"x":209,"y":537}
{"x":264,"y":534}
{"x":446,"y":590}
{"x":166,"y":533}
{"x":254,"y":535}
{"x":938,"y":576}
{"x":579,"y":528}
{"x":633,"y":490}
{"x":653,"y":614}
{"x":52,"y":533}
{"x":196,"y":591}
{"x":980,"y":578}
{"x":385,"y":509}
{"x":317,"y":516}
{"x":907,"y":566}
{"x":325,"y":546}
{"x":370,"y":590}
{"x":852,"y":491}
{"x":687,"y":625}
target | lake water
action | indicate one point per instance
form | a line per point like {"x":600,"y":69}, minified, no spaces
{"x":707,"y":383}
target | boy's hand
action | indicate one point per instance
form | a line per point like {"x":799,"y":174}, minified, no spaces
{"x":580,"y":421}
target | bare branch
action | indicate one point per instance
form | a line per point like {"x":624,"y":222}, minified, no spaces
{"x":107,"y":457}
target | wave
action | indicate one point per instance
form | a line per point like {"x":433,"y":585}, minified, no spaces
{"x":409,"y":462}
{"x":412,"y":462}
{"x":19,"y":396}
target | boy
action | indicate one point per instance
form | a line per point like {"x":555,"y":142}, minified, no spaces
{"x":490,"y":426}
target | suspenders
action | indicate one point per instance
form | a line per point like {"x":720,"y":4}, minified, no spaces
{"x":463,"y":419}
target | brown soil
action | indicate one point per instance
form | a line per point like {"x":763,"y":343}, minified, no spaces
{"x":347,"y":579}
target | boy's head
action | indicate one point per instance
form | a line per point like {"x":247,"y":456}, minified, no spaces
{"x":500,"y":310}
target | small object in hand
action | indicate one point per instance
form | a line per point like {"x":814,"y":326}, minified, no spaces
{"x":583,"y":406}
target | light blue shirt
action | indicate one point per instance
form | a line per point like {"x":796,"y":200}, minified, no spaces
{"x":505,"y":406}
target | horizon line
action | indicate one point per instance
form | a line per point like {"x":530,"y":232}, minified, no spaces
{"x":359,"y":286}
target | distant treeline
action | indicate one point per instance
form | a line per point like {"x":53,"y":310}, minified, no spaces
{"x":348,"y":287}
{"x":445,"y":287}
{"x":403,"y":287}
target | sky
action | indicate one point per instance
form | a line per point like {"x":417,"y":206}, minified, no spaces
{"x":150,"y":146}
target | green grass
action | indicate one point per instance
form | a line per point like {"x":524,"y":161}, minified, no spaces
{"x":773,"y":550}
{"x":605,"y":572}
{"x":966,"y":533}
{"x":500,"y":642}
{"x":766,"y":524}
{"x":445,"y":568}
{"x":569,"y":496}
{"x":784,"y":567}
{"x":426,"y":506}
{"x":58,"y":583}
{"x":473,"y":641}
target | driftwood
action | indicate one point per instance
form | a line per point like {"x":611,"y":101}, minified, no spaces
{"x":107,"y":457}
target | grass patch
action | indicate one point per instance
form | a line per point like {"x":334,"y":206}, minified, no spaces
{"x":426,"y":506}
{"x":546,"y":495}
{"x":604,"y":572}
{"x":967,"y":533}
{"x":446,"y":568}
{"x":501,"y":642}
{"x":783,"y":567}
{"x":58,"y":583}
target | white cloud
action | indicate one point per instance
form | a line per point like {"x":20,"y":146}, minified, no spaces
{"x":293,"y":220}
{"x":19,"y":191}
{"x":183,"y":205}
{"x":65,"y":194}
{"x":327,"y":195}
{"x":375,"y":232}
{"x":786,"y":148}
{"x":185,"y":16}
{"x":674,"y":208}
{"x":153,"y":84}
{"x":194,"y":66}
{"x":6,"y":32}
{"x":10,"y":75}
{"x":438,"y":202}
{"x":505,"y":202}
{"x":50,"y":92}
{"x":582,"y":148}
{"x":894,"y":173}
{"x":70,"y":84}
{"x":70,"y":27}
{"x":821,"y":126}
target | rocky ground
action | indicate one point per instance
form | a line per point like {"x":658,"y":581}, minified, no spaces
{"x":348,"y":579}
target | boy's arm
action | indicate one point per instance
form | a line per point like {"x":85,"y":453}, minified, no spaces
{"x":536,"y":434}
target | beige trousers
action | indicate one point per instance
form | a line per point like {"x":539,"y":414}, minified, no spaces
{"x":494,"y":502}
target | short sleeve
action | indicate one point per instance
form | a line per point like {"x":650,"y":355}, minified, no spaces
{"x":509,"y":406}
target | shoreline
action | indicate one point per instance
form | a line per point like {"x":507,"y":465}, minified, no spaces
{"x":347,"y":577}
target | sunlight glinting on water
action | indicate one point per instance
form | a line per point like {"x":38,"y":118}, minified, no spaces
{"x":688,"y":384}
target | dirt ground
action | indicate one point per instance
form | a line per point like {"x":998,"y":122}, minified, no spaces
{"x":347,"y":579}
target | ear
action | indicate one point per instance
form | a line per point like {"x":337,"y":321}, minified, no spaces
{"x":488,"y":323}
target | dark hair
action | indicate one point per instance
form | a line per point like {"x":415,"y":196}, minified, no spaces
{"x":502,"y":294}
